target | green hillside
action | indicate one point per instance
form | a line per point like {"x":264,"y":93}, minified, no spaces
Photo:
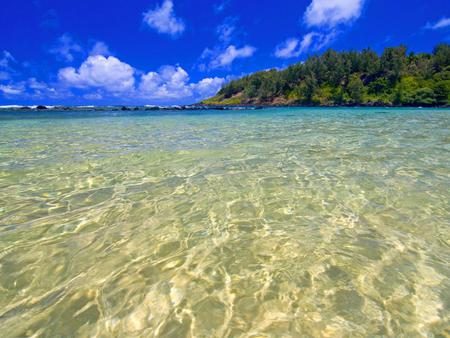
{"x":395,"y":77}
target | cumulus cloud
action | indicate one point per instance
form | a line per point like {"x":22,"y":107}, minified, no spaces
{"x":101,"y":76}
{"x":442,"y":23}
{"x":100,"y":48}
{"x":171,"y":83}
{"x":108,"y":73}
{"x":330,"y":13}
{"x":223,"y":58}
{"x":66,"y":48}
{"x":209,"y":86}
{"x":327,"y":18}
{"x":163,"y":19}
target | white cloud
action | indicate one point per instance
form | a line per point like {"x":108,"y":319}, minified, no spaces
{"x":330,"y":13}
{"x":312,"y":41}
{"x":226,"y":57}
{"x":209,"y":87}
{"x":100,"y":48}
{"x":315,"y":40}
{"x":328,"y":17}
{"x":26,"y":88}
{"x":42,"y":89}
{"x":100,"y":77}
{"x":171,"y":83}
{"x":66,"y":48}
{"x":288,"y":49}
{"x":307,"y":41}
{"x":12,"y":89}
{"x":225,"y":52}
{"x":442,"y":23}
{"x":107,"y":73}
{"x":163,"y":19}
{"x":325,"y":39}
{"x":34,"y":89}
{"x":35,"y":84}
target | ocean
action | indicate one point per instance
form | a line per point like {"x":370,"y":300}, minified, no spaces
{"x":284,"y":222}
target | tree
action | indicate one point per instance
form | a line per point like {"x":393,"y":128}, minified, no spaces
{"x":441,"y":91}
{"x":370,"y":62}
{"x":393,"y":62}
{"x":251,"y":89}
{"x":441,"y":56}
{"x":338,"y":96}
{"x":308,"y":88}
{"x":356,"y":89}
{"x":425,"y":96}
{"x":380,"y":85}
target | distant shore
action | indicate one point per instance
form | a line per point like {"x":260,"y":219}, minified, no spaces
{"x":43,"y":108}
{"x":193,"y":107}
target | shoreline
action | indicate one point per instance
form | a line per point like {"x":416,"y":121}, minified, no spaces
{"x":195,"y":107}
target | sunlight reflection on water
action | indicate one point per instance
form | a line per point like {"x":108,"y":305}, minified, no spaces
{"x":284,"y":222}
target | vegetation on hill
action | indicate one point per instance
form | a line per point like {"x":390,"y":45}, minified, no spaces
{"x":349,"y":78}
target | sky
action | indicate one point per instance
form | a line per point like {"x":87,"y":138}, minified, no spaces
{"x":98,"y":52}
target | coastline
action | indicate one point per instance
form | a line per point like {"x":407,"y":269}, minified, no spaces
{"x":197,"y":107}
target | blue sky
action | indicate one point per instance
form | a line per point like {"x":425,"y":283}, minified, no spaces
{"x":84,"y":52}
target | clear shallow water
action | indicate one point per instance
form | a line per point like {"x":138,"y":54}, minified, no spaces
{"x":273,"y":223}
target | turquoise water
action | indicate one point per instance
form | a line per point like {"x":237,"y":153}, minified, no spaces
{"x":270,"y":223}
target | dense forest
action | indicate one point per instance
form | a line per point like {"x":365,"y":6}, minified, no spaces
{"x":349,"y":78}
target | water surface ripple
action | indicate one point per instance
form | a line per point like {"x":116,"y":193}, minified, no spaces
{"x":274,"y":223}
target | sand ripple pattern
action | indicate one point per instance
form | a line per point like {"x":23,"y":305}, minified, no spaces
{"x":275,"y":223}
